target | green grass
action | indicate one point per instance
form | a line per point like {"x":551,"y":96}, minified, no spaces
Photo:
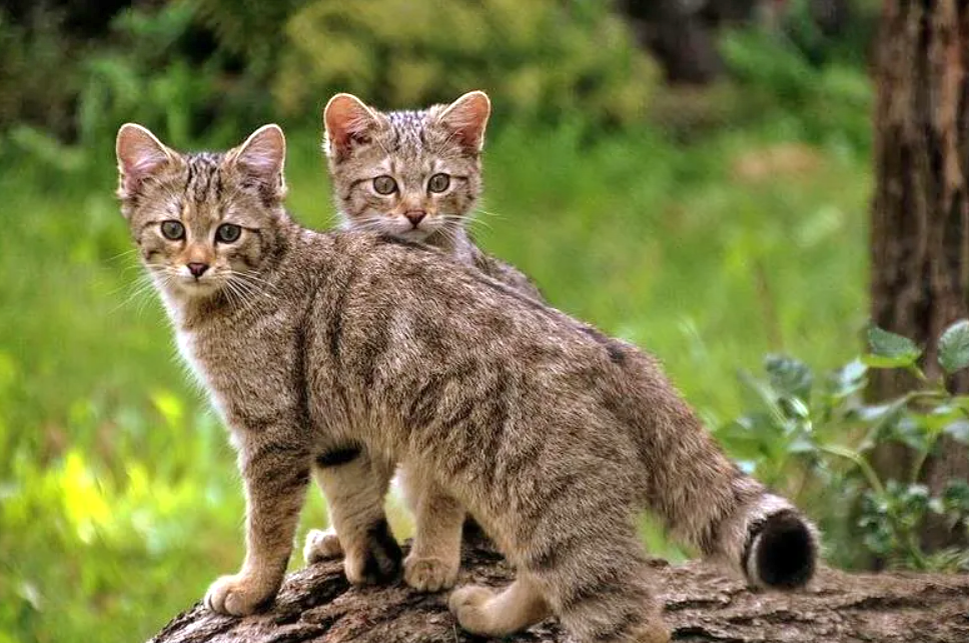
{"x":119,"y":499}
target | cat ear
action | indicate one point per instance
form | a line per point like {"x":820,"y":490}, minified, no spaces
{"x":347,"y":122}
{"x":140,"y":155}
{"x":262,"y":158}
{"x":467,"y":118}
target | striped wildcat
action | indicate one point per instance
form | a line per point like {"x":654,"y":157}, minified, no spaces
{"x":551,"y":434}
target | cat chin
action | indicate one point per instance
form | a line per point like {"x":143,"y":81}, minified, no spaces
{"x":190,"y":288}
{"x":414,"y":235}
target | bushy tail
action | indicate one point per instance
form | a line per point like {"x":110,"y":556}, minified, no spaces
{"x":760,"y":535}
{"x":707,"y":501}
{"x":702,"y":496}
{"x":780,"y":546}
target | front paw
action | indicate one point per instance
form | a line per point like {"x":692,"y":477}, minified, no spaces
{"x":469,"y":606}
{"x":237,"y":595}
{"x":375,"y":559}
{"x":321,"y":545}
{"x":429,"y":574}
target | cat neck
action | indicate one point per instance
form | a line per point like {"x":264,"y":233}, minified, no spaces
{"x":456,"y":242}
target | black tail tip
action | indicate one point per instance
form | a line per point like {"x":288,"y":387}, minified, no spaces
{"x":785,"y":551}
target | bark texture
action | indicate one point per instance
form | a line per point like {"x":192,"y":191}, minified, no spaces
{"x":920,"y":213}
{"x":317,"y":605}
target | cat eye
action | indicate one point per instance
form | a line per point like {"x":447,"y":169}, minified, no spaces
{"x":172,"y":230}
{"x":228,"y":233}
{"x":384,"y":185}
{"x":439,"y":183}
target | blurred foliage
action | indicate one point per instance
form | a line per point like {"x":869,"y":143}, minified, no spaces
{"x":825,"y":103}
{"x":541,"y":59}
{"x":814,"y":435}
{"x":39,"y":80}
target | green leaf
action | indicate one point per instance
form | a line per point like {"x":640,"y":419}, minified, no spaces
{"x":879,"y":361}
{"x":911,"y":431}
{"x":958,"y":430}
{"x":789,"y":376}
{"x":954,"y":346}
{"x":884,"y":344}
{"x":956,"y":496}
{"x":848,"y":379}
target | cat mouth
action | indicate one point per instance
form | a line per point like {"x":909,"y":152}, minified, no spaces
{"x":195,"y":286}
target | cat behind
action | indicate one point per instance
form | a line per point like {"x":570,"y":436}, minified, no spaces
{"x":415,"y":175}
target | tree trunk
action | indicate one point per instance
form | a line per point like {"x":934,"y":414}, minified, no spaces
{"x":920,"y":213}
{"x":317,"y":604}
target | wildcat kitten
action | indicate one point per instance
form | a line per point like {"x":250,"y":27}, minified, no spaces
{"x":314,"y":346}
{"x":415,"y":175}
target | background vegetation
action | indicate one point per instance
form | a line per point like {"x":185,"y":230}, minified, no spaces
{"x":710,"y":225}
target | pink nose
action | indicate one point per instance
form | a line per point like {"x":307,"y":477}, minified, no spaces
{"x":198,"y":269}
{"x":415,"y":217}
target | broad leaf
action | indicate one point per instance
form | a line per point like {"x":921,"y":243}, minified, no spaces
{"x":892,"y":349}
{"x":848,"y":379}
{"x":954,"y":346}
{"x":958,"y":430}
{"x":789,"y":376}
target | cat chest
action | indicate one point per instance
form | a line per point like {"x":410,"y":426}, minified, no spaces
{"x":247,"y":385}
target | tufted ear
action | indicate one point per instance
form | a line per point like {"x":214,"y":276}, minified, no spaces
{"x":347,"y":121}
{"x":261,"y":158}
{"x":467,"y":117}
{"x":140,"y":155}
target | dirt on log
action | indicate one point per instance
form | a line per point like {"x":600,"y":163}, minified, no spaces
{"x":317,"y":604}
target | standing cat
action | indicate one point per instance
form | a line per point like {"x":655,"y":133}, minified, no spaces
{"x":316,"y":345}
{"x":415,"y":175}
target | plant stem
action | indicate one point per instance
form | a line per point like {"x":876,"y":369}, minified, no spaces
{"x":859,"y":460}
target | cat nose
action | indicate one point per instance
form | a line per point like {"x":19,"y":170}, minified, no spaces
{"x":415,"y":216}
{"x":198,"y":269}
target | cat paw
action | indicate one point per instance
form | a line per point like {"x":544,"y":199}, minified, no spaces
{"x":237,"y":595}
{"x":321,"y":545}
{"x":468,"y":604}
{"x":429,"y":574}
{"x":376,"y":559}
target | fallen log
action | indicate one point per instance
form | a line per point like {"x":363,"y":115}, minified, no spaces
{"x":317,"y":604}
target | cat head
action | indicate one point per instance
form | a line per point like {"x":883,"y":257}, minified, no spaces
{"x":204,"y":223}
{"x":414,"y":175}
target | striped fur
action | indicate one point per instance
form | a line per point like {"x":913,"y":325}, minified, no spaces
{"x":550,"y":433}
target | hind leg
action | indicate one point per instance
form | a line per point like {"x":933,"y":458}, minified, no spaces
{"x":355,"y":484}
{"x":598,"y":587}
{"x":482,"y":611}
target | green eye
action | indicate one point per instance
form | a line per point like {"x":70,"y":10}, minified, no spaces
{"x":439,"y":183}
{"x":172,"y":230}
{"x":228,"y":233}
{"x":384,"y":185}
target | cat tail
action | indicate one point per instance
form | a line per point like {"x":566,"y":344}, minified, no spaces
{"x":771,"y":543}
{"x":710,"y":503}
{"x":756,"y":533}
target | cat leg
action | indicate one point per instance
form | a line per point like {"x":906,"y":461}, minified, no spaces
{"x":598,"y":588}
{"x":435,"y":557}
{"x":594,"y":580}
{"x":483,"y":611}
{"x":276,"y":477}
{"x":355,"y":484}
